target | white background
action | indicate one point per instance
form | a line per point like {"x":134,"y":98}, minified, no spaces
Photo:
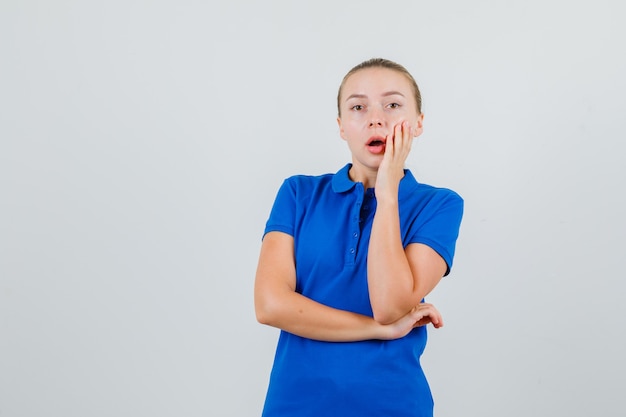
{"x":142,"y":144}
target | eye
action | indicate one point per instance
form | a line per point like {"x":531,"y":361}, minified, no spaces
{"x":393,"y":105}
{"x":357,"y":107}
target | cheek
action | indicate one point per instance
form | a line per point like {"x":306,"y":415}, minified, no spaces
{"x":399,"y":118}
{"x":352,"y":126}
{"x":410,"y":118}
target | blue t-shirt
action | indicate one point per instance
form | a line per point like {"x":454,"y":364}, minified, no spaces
{"x":330,"y":218}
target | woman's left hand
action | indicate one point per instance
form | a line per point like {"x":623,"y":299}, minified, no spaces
{"x":391,"y":169}
{"x":419,"y":316}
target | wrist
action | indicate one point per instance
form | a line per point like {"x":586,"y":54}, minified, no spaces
{"x":386,"y":331}
{"x":387,"y":193}
{"x":381,"y":331}
{"x":387,"y":202}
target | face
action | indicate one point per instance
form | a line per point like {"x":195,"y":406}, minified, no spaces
{"x":373,"y":101}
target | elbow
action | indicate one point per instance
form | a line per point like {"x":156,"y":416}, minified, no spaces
{"x":262,"y":313}
{"x":266,"y":311}
{"x":384,"y":320}
{"x":263,"y":316}
{"x":271,"y":304}
{"x":386,"y":316}
{"x":388,"y":312}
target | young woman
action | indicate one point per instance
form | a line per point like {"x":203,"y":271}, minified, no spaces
{"x":347,"y":259}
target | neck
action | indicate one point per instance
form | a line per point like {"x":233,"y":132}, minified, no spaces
{"x":365,"y":176}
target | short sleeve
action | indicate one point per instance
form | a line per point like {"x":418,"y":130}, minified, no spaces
{"x":283,"y":214}
{"x":439,"y":228}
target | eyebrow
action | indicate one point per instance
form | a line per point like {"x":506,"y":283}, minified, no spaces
{"x":385,"y":94}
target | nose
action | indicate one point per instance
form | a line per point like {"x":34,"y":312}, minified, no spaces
{"x":376,"y":119}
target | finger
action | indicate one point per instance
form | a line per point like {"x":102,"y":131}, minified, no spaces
{"x":407,"y":136}
{"x":389,"y":146}
{"x":435,"y":318}
{"x":422,"y":322}
{"x":427,"y":313}
{"x":398,"y":137}
{"x":421,"y":315}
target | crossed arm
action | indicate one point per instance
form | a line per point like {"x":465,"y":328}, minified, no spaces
{"x":278,"y":304}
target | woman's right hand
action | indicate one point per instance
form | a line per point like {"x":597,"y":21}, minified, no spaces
{"x":420,"y":315}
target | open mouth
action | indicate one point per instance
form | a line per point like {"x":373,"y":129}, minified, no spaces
{"x":376,"y":144}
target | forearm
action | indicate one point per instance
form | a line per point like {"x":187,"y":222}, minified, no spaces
{"x":278,"y":304}
{"x":391,"y":282}
{"x":297,"y":314}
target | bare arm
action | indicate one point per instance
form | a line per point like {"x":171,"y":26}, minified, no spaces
{"x":398,"y":279}
{"x":278,"y":304}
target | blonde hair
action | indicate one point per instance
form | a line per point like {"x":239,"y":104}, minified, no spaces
{"x":382,"y":63}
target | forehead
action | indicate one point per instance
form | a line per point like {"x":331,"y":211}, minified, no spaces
{"x":376,"y":81}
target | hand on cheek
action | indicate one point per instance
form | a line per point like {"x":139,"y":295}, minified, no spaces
{"x":391,"y":169}
{"x":399,"y":143}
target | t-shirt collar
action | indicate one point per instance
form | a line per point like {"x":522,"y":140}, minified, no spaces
{"x":341,"y":182}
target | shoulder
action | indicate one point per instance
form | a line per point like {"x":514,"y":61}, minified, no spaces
{"x":302,"y":188}
{"x":304,"y":185}
{"x":438,"y":193}
{"x":338,"y":181}
{"x":302,"y":180}
{"x":420,"y":193}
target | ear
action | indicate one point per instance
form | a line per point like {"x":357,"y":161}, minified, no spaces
{"x":341,"y":132}
{"x":419,"y":126}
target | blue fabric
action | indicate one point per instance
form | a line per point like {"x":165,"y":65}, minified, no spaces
{"x":330,"y":218}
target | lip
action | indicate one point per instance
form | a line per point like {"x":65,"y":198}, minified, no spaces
{"x":376,"y":139}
